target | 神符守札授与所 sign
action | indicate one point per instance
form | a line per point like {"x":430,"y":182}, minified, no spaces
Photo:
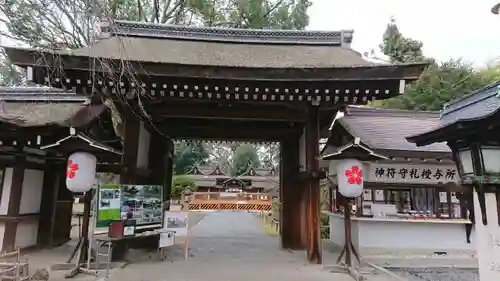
{"x":403,"y":173}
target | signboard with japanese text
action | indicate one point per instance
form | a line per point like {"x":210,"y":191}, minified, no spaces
{"x":414,"y":174}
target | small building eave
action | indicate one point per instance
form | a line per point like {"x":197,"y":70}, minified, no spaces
{"x":460,"y":128}
{"x":356,"y":150}
{"x":93,"y":144}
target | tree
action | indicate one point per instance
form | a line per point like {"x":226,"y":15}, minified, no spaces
{"x":399,"y":48}
{"x":182,"y":185}
{"x":245,"y":157}
{"x":439,"y":83}
{"x":57,"y":24}
{"x":72,"y":23}
{"x":189,"y":154}
{"x":270,"y":155}
{"x":9,"y":75}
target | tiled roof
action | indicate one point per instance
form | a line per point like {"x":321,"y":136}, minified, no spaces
{"x":188,"y":52}
{"x":224,"y":34}
{"x":39,"y":106}
{"x":480,"y":104}
{"x":210,"y":46}
{"x":387,"y":128}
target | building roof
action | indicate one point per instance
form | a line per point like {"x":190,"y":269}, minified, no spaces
{"x":223,"y":47}
{"x":210,"y":46}
{"x":479,"y":105}
{"x":386,"y":129}
{"x":221,"y":171}
{"x":41,"y":106}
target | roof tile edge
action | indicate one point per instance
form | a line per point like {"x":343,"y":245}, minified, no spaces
{"x":375,"y":111}
{"x":109,"y":27}
{"x":462,"y":102}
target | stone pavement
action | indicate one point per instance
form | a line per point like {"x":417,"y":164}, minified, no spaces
{"x":231,"y":246}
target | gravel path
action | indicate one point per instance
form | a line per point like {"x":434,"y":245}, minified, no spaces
{"x":231,"y":247}
{"x":437,"y":274}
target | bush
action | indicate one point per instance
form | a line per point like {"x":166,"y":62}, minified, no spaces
{"x":276,"y":209}
{"x":324,"y":226}
{"x":182,"y":185}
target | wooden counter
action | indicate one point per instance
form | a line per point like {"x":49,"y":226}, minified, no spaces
{"x":402,"y":234}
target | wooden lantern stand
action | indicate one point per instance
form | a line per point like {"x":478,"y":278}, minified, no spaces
{"x":77,"y":142}
{"x":81,"y":251}
{"x":355,"y":151}
{"x":348,"y":250}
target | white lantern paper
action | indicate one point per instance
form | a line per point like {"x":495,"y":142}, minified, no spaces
{"x":350,"y":178}
{"x":81,"y":171}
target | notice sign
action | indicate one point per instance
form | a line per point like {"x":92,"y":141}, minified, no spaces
{"x":419,"y":174}
{"x":176,"y":222}
{"x":109,"y":202}
{"x":142,"y":203}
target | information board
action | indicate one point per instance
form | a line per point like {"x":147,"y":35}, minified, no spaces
{"x":178,"y":223}
{"x":143,"y":203}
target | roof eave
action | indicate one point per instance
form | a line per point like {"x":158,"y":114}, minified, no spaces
{"x":369,"y":154}
{"x":29,"y":57}
{"x":443,"y":133}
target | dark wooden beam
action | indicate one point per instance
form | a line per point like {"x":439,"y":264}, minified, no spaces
{"x":232,"y":133}
{"x":16,"y":188}
{"x":225,"y":111}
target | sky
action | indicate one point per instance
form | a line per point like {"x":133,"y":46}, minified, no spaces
{"x":449,"y":29}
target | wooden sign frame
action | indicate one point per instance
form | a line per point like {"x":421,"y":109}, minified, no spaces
{"x":178,"y":222}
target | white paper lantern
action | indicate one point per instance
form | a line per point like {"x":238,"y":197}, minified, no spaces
{"x":81,"y":171}
{"x":350,"y":178}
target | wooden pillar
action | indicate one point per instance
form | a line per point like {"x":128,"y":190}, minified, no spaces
{"x":314,"y":250}
{"x":129,"y":166}
{"x":291,"y":190}
{"x":160,"y":164}
{"x":63,"y":210}
{"x":16,"y":175}
{"x":130,"y":148}
{"x":169,"y":170}
{"x":48,"y":204}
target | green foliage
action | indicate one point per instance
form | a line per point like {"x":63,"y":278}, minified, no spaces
{"x":182,"y":185}
{"x":399,"y":48}
{"x":256,"y":14}
{"x":71,"y":23}
{"x":9,"y":75}
{"x":324,"y":226}
{"x":276,"y":209}
{"x":245,"y":156}
{"x":270,"y":155}
{"x":440,"y":82}
{"x":188,"y":155}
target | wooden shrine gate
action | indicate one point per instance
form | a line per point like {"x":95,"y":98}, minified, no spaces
{"x":222,"y":84}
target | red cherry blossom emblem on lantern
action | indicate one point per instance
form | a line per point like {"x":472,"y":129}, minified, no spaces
{"x":71,"y":169}
{"x":354,"y":175}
